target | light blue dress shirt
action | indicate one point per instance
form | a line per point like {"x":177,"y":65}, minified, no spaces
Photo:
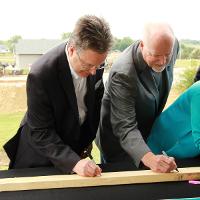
{"x":177,"y":129}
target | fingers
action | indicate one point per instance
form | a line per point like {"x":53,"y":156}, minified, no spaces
{"x":87,"y":168}
{"x":92,"y":169}
{"x":159,"y":163}
{"x":165,"y":164}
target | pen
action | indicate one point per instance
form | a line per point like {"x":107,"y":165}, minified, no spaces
{"x":87,"y":153}
{"x":164,"y":153}
{"x":91,"y":157}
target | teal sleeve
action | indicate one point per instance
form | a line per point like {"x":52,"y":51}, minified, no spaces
{"x":195,"y":119}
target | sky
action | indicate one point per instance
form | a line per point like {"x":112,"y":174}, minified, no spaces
{"x":48,"y":19}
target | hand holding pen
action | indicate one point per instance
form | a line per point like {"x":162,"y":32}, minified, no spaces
{"x":164,"y":153}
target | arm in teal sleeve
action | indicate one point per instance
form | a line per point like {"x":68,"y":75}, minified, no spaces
{"x":195,"y":119}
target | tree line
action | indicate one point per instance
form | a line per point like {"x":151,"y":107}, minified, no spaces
{"x":189,"y":49}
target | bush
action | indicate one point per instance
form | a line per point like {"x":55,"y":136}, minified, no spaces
{"x":186,"y":79}
{"x":187,"y":62}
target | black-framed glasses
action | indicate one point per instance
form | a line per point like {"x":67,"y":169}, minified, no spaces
{"x":87,"y":66}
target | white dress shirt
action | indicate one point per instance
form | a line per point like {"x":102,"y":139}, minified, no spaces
{"x":80,"y":90}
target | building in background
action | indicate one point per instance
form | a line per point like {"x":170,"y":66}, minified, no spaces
{"x":28,"y":51}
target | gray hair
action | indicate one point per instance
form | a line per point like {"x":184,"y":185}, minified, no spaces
{"x":91,"y":32}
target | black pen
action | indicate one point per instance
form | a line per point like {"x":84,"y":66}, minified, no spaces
{"x":164,"y":153}
{"x":91,"y":157}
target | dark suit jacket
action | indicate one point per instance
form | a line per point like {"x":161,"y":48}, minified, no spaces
{"x":197,"y":75}
{"x":50,"y":133}
{"x":130,"y":105}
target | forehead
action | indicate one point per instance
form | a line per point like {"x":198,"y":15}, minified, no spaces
{"x":160,"y":46}
{"x":160,"y":50}
{"x":93,"y":56}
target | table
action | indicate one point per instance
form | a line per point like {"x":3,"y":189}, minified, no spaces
{"x":165,"y":190}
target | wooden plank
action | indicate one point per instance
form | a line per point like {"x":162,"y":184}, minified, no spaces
{"x":111,"y":178}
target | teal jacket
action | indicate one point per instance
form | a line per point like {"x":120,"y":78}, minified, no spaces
{"x":177,"y":129}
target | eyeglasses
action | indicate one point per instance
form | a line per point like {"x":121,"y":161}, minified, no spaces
{"x":87,"y":66}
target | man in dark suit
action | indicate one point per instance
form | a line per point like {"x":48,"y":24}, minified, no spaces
{"x":135,"y":94}
{"x":64,"y":91}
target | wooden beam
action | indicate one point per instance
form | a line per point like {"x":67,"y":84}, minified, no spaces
{"x":111,"y":178}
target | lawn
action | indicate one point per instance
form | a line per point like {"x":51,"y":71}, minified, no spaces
{"x":185,"y":63}
{"x":8,"y":125}
{"x":7,"y":58}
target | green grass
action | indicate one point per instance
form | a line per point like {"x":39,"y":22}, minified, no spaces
{"x":186,"y":79}
{"x":187,"y":63}
{"x":7,"y":58}
{"x":9,"y":124}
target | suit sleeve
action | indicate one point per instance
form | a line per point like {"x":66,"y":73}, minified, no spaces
{"x":43,"y":136}
{"x":123,"y":116}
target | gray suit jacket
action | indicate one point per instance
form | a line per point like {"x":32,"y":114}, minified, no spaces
{"x":130,"y":104}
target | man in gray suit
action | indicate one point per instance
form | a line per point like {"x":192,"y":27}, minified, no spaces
{"x":135,"y":94}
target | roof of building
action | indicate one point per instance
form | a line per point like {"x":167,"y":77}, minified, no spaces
{"x":35,"y":46}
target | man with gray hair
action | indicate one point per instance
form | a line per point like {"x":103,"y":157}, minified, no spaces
{"x":135,"y":94}
{"x":64,"y":91}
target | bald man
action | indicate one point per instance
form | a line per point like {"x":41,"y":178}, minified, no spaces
{"x":135,"y":94}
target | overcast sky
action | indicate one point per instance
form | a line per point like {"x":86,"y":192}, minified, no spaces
{"x":36,"y":19}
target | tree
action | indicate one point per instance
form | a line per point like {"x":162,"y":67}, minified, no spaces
{"x":185,"y":51}
{"x":121,"y":44}
{"x":195,"y":54}
{"x":125,"y":42}
{"x":116,"y":43}
{"x":12,"y":41}
{"x":186,"y":79}
{"x":66,"y":35}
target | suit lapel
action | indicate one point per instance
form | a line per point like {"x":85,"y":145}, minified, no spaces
{"x":89,"y":98}
{"x":66,"y":80}
{"x":149,"y":82}
{"x":144,"y":74}
{"x":166,"y":85}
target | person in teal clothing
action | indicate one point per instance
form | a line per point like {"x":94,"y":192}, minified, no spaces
{"x":177,"y":130}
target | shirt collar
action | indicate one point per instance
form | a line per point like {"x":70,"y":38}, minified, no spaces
{"x":74,"y":74}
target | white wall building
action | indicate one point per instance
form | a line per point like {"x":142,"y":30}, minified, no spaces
{"x":28,"y":51}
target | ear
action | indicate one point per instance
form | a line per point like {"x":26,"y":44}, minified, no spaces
{"x":142,"y":47}
{"x":141,"y":44}
{"x":71,"y":50}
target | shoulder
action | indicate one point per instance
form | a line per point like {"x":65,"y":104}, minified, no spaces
{"x":124,"y":64}
{"x":176,"y":47}
{"x":194,"y":89}
{"x":47,"y":64}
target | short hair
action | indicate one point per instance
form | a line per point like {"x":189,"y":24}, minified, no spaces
{"x":91,"y":32}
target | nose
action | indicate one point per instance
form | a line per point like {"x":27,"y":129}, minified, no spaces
{"x":162,"y":60}
{"x":93,"y":71}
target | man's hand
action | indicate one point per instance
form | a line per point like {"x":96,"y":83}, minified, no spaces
{"x":159,"y":163}
{"x":87,"y":168}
